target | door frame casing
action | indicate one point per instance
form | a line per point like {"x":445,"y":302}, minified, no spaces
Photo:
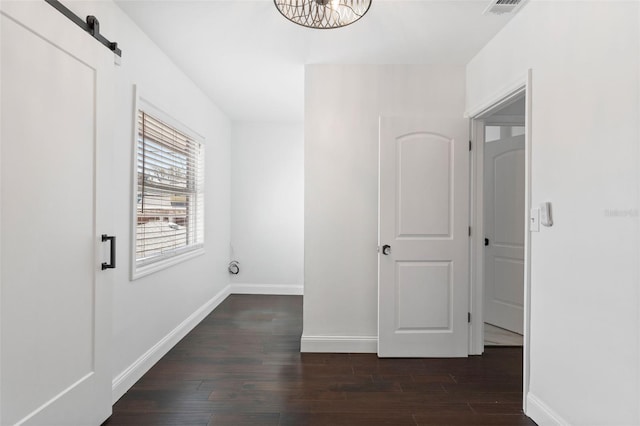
{"x":521,"y":87}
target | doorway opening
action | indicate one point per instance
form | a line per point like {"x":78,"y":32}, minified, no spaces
{"x":500,"y":249}
{"x":501,"y":219}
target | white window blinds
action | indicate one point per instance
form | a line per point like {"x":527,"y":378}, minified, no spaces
{"x":170,"y":195}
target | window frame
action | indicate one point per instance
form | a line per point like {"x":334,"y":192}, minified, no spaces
{"x":150,"y":266}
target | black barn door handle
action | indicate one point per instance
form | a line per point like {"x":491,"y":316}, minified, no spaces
{"x":112,"y":264}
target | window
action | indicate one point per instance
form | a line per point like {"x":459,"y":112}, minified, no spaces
{"x":494,"y":133}
{"x":491,"y":133}
{"x":169,"y":210}
{"x":517,"y":130}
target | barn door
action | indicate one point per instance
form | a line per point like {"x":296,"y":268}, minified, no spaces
{"x":55,"y":205}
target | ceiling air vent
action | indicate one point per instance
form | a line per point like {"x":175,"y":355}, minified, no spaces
{"x":499,"y":7}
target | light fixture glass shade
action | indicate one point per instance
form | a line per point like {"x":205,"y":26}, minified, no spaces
{"x":323,"y":13}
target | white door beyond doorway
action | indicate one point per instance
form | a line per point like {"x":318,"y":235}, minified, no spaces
{"x":504,"y":229}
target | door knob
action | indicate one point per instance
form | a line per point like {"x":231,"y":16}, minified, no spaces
{"x":386,"y":249}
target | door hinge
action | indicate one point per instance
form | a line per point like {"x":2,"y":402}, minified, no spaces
{"x":469,"y":231}
{"x":470,"y":145}
{"x":469,"y":317}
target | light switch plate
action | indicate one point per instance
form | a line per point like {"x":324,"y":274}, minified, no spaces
{"x":534,"y":220}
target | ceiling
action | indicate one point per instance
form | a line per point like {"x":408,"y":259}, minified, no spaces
{"x":250,"y":60}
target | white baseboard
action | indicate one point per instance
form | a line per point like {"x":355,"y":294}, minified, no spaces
{"x":339,"y":344}
{"x":123,"y":381}
{"x":542,"y":414}
{"x":279,"y":289}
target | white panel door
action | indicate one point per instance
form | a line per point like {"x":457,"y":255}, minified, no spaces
{"x":423,"y":285}
{"x":504,"y":233}
{"x":55,"y":165}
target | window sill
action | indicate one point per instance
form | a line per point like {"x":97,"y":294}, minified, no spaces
{"x":143,"y":271}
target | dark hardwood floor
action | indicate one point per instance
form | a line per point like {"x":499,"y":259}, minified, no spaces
{"x":242,"y":366}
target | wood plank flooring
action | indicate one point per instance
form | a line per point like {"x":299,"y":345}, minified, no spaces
{"x":242,"y":366}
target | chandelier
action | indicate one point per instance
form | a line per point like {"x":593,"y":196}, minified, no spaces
{"x":323,"y":13}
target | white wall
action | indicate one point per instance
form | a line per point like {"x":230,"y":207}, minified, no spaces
{"x":584,"y":277}
{"x":342,"y":106}
{"x":148,"y":310}
{"x":267,"y":207}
